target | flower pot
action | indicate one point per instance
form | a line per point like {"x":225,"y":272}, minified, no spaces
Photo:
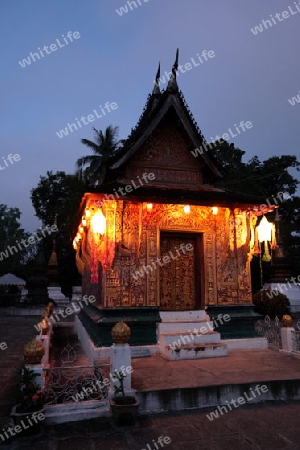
{"x":31,"y":423}
{"x":124,"y":409}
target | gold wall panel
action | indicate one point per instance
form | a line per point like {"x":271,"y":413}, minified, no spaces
{"x":226,"y":253}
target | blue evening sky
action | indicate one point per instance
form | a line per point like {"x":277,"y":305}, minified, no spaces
{"x":115,"y":59}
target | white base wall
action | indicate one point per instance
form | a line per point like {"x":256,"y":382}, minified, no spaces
{"x":94,"y":352}
{"x":246,"y":344}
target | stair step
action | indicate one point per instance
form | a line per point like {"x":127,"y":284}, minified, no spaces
{"x":198,"y":346}
{"x":180,"y":333}
{"x":185,"y":326}
{"x":183,"y":338}
{"x":185,"y":321}
{"x":195,"y":351}
{"x":183,"y":315}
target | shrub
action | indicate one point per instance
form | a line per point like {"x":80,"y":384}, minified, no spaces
{"x":271,"y":302}
{"x":29,"y":398}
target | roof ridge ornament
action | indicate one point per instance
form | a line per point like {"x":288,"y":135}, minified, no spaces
{"x":172,"y":85}
{"x":156,"y":89}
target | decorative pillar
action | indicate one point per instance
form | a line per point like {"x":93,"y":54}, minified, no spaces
{"x":287,"y":334}
{"x":33,"y":354}
{"x":120,"y":355}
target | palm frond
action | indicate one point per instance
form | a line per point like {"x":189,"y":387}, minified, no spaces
{"x":95,"y":147}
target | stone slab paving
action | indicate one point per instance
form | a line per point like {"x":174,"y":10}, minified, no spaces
{"x":255,"y":427}
{"x":156,"y":372}
{"x":16,"y":332}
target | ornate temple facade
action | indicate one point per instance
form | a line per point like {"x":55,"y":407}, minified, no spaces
{"x":157,"y":232}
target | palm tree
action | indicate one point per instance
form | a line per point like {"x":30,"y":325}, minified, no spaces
{"x":93,"y":167}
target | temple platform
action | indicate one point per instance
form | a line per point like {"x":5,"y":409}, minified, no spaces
{"x":162,"y":385}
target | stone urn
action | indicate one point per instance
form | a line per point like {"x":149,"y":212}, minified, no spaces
{"x":120,"y":333}
{"x":287,"y":320}
{"x":33,"y":352}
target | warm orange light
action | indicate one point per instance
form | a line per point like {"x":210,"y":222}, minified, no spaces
{"x":264,"y":230}
{"x":187,"y":209}
{"x":83,"y":221}
{"x":98,"y":222}
{"x":87,"y":213}
{"x":149,"y":206}
{"x":215,"y":210}
{"x":81,"y":229}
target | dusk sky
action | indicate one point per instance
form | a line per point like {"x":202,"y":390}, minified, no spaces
{"x":113,"y":57}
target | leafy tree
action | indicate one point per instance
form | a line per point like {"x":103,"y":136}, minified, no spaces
{"x":14,"y":249}
{"x":266,"y":179}
{"x":59,"y":195}
{"x":92,"y":168}
{"x":263,"y":178}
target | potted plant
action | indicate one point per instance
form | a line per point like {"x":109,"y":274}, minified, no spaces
{"x":124,"y":407}
{"x":28,"y":413}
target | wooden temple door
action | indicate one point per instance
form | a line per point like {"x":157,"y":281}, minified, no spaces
{"x":178,"y":284}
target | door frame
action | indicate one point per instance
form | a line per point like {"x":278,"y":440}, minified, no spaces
{"x":198,"y":263}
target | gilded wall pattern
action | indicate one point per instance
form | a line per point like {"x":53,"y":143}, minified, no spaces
{"x":166,"y":154}
{"x":136,"y":236}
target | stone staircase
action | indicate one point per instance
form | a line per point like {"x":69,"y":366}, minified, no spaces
{"x":189,"y":335}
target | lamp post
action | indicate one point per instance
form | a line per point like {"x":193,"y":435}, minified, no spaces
{"x":264,"y":235}
{"x":264,"y":231}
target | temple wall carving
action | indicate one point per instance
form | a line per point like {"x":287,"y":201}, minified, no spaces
{"x":131,"y":246}
{"x":166,"y":153}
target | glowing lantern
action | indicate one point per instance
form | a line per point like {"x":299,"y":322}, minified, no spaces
{"x":264,"y":233}
{"x":83,"y":221}
{"x":187,"y":209}
{"x":215,"y":210}
{"x":87,"y":213}
{"x":264,"y":230}
{"x":149,"y":207}
{"x":81,"y":229}
{"x":98,"y":223}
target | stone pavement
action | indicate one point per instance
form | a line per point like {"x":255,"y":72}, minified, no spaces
{"x":15,"y":332}
{"x":239,"y":366}
{"x":256,"y":427}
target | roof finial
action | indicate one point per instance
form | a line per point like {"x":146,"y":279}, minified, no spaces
{"x":175,"y":65}
{"x":172,"y":85}
{"x":156,"y":89}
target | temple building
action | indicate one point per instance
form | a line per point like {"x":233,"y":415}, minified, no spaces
{"x":160,"y":245}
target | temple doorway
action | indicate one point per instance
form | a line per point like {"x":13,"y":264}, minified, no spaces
{"x":180,"y":273}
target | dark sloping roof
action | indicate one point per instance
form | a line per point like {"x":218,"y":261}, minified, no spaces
{"x":157,"y":106}
{"x":151,"y":118}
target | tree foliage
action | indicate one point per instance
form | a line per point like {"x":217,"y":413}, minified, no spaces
{"x":92,"y":168}
{"x":11,"y":234}
{"x":263,"y":178}
{"x":266,"y":179}
{"x":59,"y":195}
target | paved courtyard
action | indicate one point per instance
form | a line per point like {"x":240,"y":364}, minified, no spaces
{"x":264,"y":427}
{"x":253,"y":427}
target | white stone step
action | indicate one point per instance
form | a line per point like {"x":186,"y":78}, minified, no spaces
{"x":195,"y":352}
{"x":184,"y":326}
{"x":194,"y":315}
{"x":189,"y":338}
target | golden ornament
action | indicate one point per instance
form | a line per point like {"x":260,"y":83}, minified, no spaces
{"x":120,"y":333}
